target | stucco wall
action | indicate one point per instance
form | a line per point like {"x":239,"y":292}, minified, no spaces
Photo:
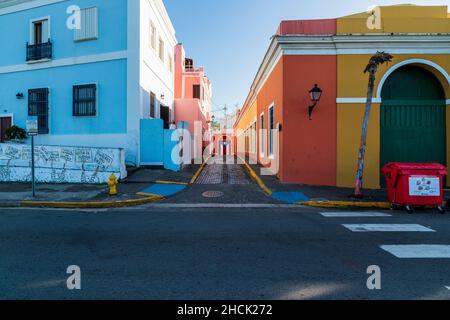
{"x":352,"y":83}
{"x":61,"y":164}
{"x":271,"y":94}
{"x":309,"y":145}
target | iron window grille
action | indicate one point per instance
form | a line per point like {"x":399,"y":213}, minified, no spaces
{"x":85,"y":100}
{"x":38,"y":107}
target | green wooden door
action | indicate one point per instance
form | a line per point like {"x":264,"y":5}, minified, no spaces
{"x":413,"y":118}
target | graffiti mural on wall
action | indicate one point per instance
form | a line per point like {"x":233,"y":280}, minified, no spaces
{"x":61,"y":164}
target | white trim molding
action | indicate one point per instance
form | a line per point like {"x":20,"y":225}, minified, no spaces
{"x":356,"y":100}
{"x":364,"y":44}
{"x":118,"y":55}
{"x":411,"y":61}
{"x":22,"y":5}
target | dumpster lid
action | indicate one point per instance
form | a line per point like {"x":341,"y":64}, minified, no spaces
{"x":416,"y":166}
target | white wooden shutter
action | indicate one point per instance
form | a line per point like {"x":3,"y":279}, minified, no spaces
{"x":89,"y":25}
{"x":45,"y":31}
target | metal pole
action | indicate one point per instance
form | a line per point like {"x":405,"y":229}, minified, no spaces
{"x":33,"y":181}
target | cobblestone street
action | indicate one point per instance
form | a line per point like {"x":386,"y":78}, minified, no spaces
{"x":224,"y":173}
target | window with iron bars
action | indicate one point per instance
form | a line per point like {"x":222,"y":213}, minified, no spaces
{"x":85,"y":100}
{"x":38,"y":107}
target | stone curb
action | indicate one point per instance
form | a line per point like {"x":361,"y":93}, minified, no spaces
{"x":254,"y":176}
{"x":91,"y":205}
{"x":199,"y":171}
{"x":345,"y":204}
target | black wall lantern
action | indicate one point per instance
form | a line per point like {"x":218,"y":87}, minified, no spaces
{"x":315,"y":94}
{"x":19,"y":95}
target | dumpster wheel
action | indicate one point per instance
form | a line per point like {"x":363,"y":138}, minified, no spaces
{"x":409,"y":209}
{"x":441,"y":209}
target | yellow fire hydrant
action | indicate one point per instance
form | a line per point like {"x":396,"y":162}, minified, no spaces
{"x":112,"y":183}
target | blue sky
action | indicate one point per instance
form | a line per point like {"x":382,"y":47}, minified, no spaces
{"x":230,"y":37}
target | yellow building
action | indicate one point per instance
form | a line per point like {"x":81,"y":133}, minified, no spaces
{"x":419,"y":39}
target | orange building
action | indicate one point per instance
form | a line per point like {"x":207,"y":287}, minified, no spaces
{"x":333,"y":54}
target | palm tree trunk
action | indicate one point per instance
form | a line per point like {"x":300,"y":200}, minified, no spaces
{"x":363,"y":147}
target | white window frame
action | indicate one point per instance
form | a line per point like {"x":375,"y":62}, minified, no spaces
{"x":262,"y":147}
{"x":255,"y":139}
{"x":162,"y":49}
{"x":270,"y":135}
{"x":170,"y":62}
{"x":153,"y":37}
{"x":33,"y":21}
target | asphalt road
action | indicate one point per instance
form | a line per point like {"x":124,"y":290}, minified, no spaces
{"x":157,"y":252}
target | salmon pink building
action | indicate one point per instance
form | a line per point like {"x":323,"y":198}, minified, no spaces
{"x":409,"y":116}
{"x":224,"y":143}
{"x":193,"y":94}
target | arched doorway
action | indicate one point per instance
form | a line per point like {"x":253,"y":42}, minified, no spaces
{"x":413,"y":118}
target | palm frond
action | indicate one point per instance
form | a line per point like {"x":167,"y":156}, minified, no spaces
{"x":378,"y":59}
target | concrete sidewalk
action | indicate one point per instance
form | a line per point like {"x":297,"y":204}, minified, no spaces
{"x":145,"y":175}
{"x":298,"y":193}
{"x":13,"y":194}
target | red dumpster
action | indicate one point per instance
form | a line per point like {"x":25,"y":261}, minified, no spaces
{"x":415,"y":184}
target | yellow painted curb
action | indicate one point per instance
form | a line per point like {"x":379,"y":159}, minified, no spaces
{"x":171,"y":182}
{"x":91,"y":205}
{"x":199,"y":171}
{"x":345,"y":204}
{"x":149,"y":195}
{"x":256,"y":178}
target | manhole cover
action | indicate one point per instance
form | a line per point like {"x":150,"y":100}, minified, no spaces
{"x":213,"y":194}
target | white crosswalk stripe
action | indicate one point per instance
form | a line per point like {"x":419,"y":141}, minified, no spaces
{"x":422,"y":251}
{"x":363,"y":214}
{"x":387,"y":228}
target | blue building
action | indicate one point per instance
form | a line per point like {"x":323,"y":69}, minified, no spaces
{"x":96,"y":73}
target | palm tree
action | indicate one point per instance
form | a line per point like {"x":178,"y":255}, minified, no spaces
{"x":378,"y":59}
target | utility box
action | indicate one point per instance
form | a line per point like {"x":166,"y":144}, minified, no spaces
{"x":415,"y":184}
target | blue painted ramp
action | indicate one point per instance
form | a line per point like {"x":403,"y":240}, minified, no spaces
{"x":165,"y":190}
{"x":290,"y":197}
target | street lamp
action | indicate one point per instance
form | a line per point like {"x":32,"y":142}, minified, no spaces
{"x":212,"y":119}
{"x":315,"y":94}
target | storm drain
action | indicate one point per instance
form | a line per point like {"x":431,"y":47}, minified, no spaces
{"x":213,"y":194}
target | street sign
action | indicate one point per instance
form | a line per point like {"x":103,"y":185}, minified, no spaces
{"x":32,"y":126}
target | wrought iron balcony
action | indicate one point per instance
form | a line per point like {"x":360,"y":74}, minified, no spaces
{"x":40,"y":51}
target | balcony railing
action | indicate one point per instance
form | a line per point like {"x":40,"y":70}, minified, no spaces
{"x":40,"y":51}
